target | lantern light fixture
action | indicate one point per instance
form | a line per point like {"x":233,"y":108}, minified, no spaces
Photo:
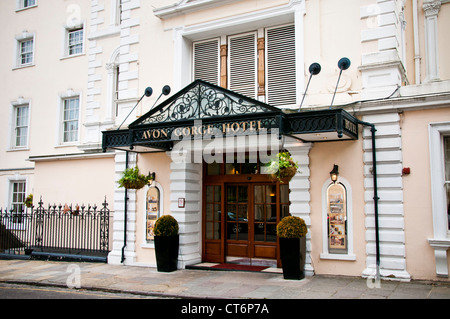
{"x":334,"y":173}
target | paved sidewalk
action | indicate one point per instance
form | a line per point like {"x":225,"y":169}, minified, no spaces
{"x":209,"y":283}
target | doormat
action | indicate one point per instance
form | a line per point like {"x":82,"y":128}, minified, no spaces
{"x":239,"y":267}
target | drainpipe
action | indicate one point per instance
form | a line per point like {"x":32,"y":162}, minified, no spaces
{"x":125,"y":215}
{"x":416,"y":42}
{"x":375,"y":196}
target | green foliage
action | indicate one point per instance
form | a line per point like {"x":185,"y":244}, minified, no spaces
{"x":292,"y":227}
{"x":283,"y":166}
{"x":29,"y":200}
{"x":166,"y":225}
{"x":132,"y":179}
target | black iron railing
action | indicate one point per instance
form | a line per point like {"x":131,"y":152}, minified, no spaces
{"x":56,"y":229}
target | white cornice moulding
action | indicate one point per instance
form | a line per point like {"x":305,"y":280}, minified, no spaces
{"x":184,"y":7}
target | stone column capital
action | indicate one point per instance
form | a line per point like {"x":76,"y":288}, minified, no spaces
{"x":431,"y":7}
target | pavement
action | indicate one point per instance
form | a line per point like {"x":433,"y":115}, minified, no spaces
{"x":210,"y":284}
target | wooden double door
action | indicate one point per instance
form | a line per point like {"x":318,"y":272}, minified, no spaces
{"x":240,"y":218}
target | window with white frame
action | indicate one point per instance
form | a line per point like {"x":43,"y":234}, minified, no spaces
{"x":242,"y":51}
{"x":25,"y":50}
{"x":439,"y":135}
{"x":337,"y":220}
{"x":20,"y":122}
{"x":71,"y":111}
{"x":75,"y":41}
{"x":117,"y":12}
{"x":24,"y":4}
{"x":447,"y":175}
{"x":18,"y":193}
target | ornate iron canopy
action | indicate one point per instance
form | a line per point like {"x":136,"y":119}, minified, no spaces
{"x":205,"y":109}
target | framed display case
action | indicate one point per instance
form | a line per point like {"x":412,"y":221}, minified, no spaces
{"x":152,"y":211}
{"x":337,"y":219}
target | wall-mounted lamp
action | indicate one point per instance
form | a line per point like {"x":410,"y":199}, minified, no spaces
{"x":152,"y":177}
{"x":314,"y":69}
{"x":148,"y":92}
{"x":334,"y":173}
{"x":165,"y":91}
{"x":343,"y":64}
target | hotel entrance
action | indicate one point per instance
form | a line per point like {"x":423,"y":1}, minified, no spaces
{"x":253,"y":204}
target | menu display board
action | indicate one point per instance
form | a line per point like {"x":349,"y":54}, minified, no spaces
{"x":337,"y":218}
{"x":152,"y":211}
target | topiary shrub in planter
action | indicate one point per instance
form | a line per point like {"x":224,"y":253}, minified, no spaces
{"x":291,"y":232}
{"x":166,"y":243}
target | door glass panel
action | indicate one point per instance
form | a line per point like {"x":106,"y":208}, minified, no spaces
{"x":259,"y":194}
{"x":209,"y":212}
{"x":237,"y":212}
{"x":231,"y":194}
{"x":243,"y":213}
{"x":265,"y":218}
{"x":284,"y":194}
{"x":209,"y":194}
{"x":271,"y":191}
{"x":284,"y":201}
{"x":243,"y":194}
{"x":259,"y":213}
{"x":271,"y":213}
{"x":213,"y":211}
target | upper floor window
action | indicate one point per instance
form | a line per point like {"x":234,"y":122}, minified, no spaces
{"x":75,"y":41}
{"x":71,"y":119}
{"x":447,"y":174}
{"x":259,"y":64}
{"x":21,"y":115}
{"x":24,"y":50}
{"x":117,"y":12}
{"x":24,"y":4}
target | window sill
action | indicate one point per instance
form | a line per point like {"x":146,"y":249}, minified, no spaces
{"x":18,"y":149}
{"x":349,"y":257}
{"x":68,"y":144}
{"x":72,"y":56}
{"x":18,"y":67}
{"x":26,"y":8}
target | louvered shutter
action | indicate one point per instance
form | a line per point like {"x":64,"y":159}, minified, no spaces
{"x":242,"y":64}
{"x":281,"y":75}
{"x":206,"y":61}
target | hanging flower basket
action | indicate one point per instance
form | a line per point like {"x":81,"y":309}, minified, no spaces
{"x":282,"y":167}
{"x":29,"y":201}
{"x":132,"y":179}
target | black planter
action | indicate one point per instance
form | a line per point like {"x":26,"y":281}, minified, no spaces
{"x":293,"y":253}
{"x":166,"y":249}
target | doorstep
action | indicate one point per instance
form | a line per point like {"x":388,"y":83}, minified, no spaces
{"x":234,"y":267}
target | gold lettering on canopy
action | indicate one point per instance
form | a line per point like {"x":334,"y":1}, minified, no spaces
{"x":238,"y":127}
